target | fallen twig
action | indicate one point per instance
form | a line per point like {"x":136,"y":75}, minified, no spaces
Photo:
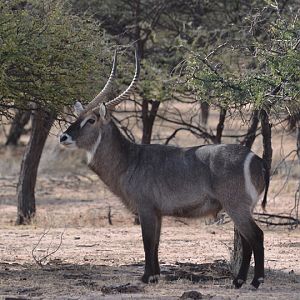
{"x":42,"y":261}
{"x":290,"y":221}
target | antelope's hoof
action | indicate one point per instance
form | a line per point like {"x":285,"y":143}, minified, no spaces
{"x":238,"y":282}
{"x":257,"y":281}
{"x":150,"y":278}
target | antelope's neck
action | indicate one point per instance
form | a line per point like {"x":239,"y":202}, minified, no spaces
{"x":109,"y":157}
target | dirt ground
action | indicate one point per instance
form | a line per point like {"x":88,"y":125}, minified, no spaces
{"x":72,"y":252}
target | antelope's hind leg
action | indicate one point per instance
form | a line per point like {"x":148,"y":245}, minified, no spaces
{"x":252,"y":239}
{"x":258,"y":250}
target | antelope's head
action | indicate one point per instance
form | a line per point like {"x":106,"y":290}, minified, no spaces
{"x":85,"y":132}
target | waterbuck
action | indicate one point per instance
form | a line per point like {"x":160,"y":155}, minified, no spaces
{"x":159,"y":180}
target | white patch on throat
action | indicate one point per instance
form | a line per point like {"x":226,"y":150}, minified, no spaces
{"x":90,"y":154}
{"x":250,"y":188}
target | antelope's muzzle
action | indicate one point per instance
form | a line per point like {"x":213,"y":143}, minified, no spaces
{"x":66,"y":140}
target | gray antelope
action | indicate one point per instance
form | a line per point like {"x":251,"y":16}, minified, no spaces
{"x":159,"y":180}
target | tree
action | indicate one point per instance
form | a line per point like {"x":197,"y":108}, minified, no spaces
{"x":262,"y":71}
{"x":48,"y":55}
{"x":49,"y":58}
{"x":41,"y":125}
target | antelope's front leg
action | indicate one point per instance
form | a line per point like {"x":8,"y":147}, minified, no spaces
{"x":150,"y":223}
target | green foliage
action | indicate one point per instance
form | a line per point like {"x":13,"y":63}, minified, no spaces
{"x":155,"y":25}
{"x":48,"y":56}
{"x":262,"y":68}
{"x":237,"y":51}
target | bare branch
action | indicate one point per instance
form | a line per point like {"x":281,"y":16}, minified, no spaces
{"x":42,"y":261}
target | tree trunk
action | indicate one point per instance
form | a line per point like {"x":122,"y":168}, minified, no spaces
{"x":41,"y":125}
{"x":237,"y":253}
{"x":17,"y":127}
{"x":251,"y":134}
{"x":204,"y":113}
{"x":298,"y":140}
{"x":148,"y":119}
{"x":267,"y":138}
{"x":220,"y":126}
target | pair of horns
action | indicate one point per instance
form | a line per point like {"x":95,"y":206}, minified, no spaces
{"x":103,"y":95}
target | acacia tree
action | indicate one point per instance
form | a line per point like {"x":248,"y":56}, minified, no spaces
{"x":263,"y":73}
{"x":48,"y":58}
{"x":261,"y":70}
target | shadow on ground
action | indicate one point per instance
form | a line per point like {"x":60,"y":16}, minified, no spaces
{"x":60,"y":280}
{"x":57,"y":278}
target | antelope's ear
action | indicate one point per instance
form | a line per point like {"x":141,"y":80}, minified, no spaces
{"x":78,"y":108}
{"x":104,"y":114}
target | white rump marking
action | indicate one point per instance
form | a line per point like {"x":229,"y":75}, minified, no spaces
{"x":250,"y":188}
{"x":90,"y":154}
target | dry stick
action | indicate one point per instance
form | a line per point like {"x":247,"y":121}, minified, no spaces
{"x":173,"y":135}
{"x":203,"y":133}
{"x":297,"y":198}
{"x":109,"y":216}
{"x":296,"y":203}
{"x":34,"y":248}
{"x":279,"y":224}
{"x":297,"y":193}
{"x":39,"y":261}
{"x":57,"y":248}
{"x":285,"y":181}
{"x":283,"y":160}
{"x":293,"y":221}
{"x":276,"y":216}
{"x":181,"y":221}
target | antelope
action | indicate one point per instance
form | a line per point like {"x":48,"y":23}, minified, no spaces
{"x":158,"y":180}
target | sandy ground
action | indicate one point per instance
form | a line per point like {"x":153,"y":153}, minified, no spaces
{"x":71,"y":252}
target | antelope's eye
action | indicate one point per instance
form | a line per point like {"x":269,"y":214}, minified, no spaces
{"x":91,"y":121}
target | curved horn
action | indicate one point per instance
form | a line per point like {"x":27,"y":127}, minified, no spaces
{"x":105,"y":91}
{"x":112,"y":103}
